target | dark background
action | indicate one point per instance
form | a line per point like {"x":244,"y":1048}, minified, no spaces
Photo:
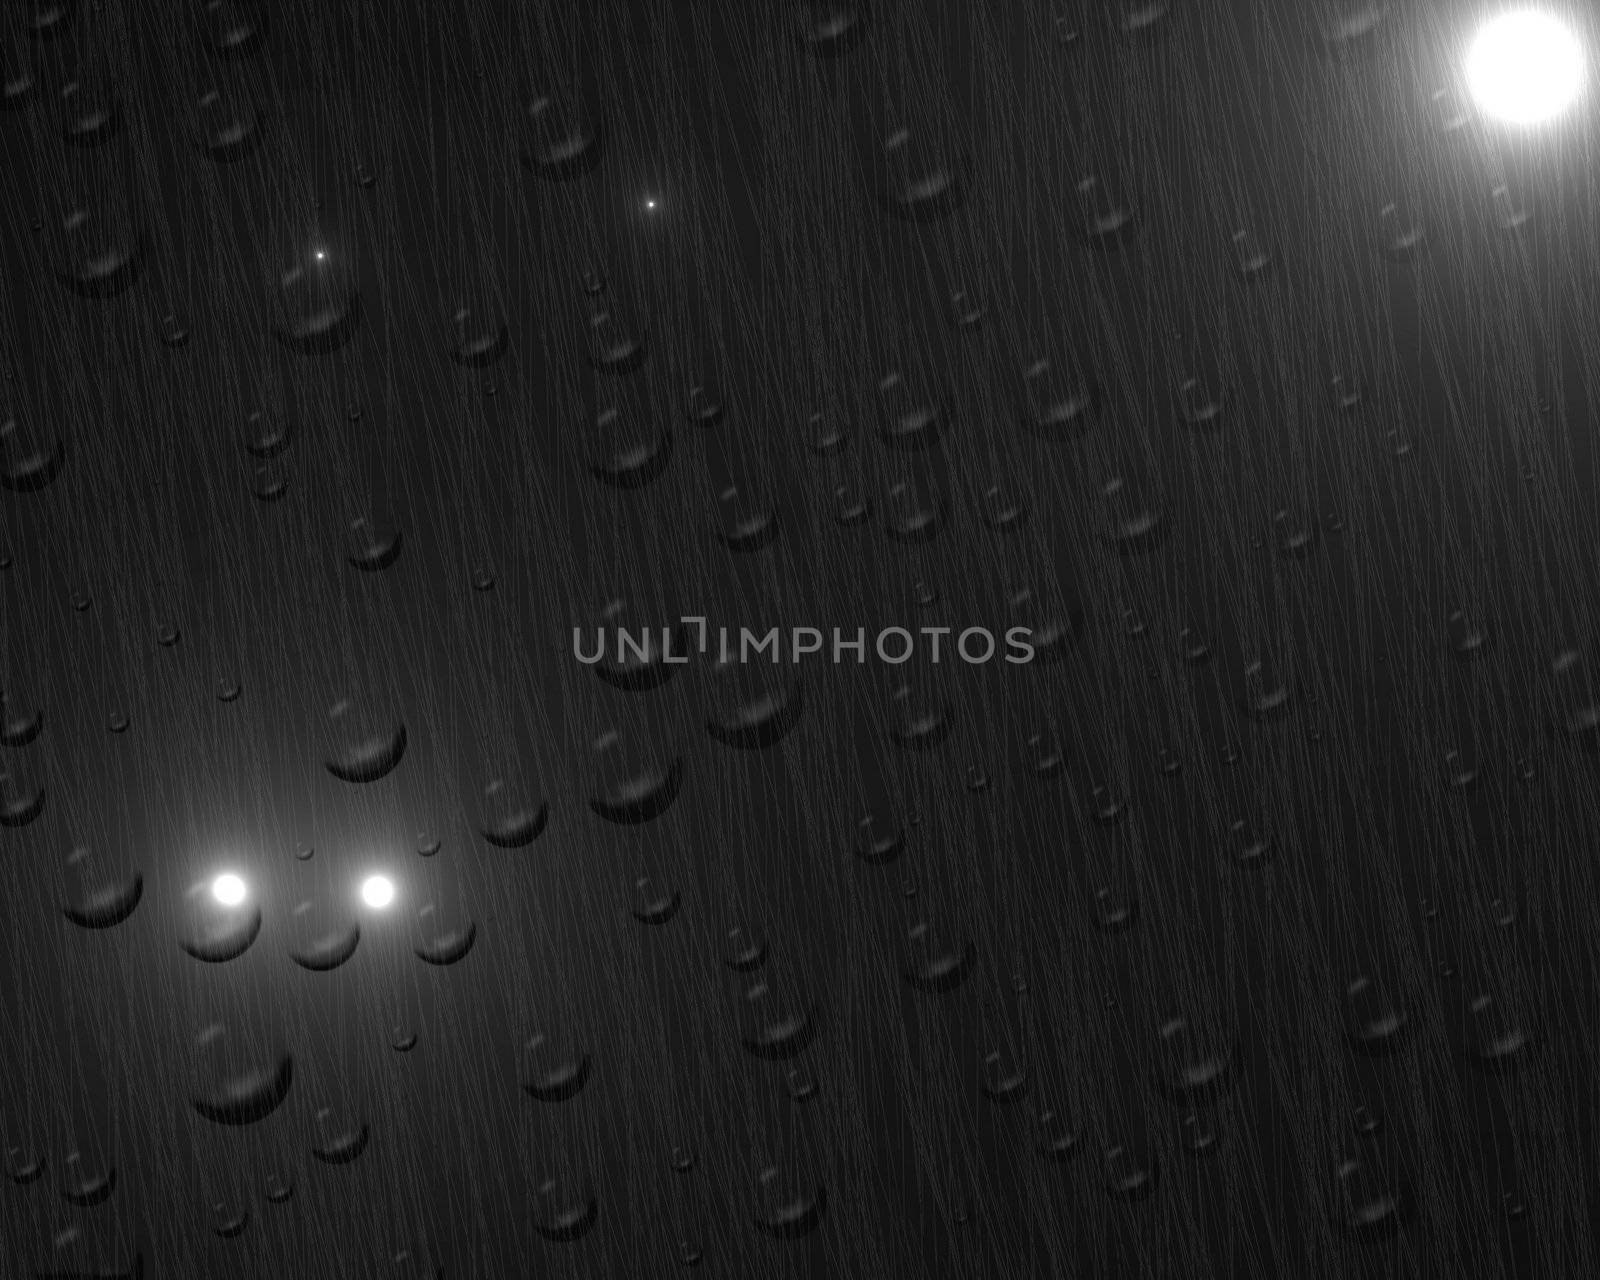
{"x":1252,"y":934}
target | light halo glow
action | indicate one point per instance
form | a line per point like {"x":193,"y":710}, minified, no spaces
{"x":1525,"y":67}
{"x":377,"y":892}
{"x":229,"y":889}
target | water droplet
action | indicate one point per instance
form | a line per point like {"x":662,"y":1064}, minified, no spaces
{"x":1141,"y":19}
{"x":827,"y":437}
{"x":18,"y":727}
{"x":30,"y":461}
{"x":99,"y":898}
{"x":229,"y":1221}
{"x":1353,"y":29}
{"x":373,"y":548}
{"x":561,"y":140}
{"x":1401,"y":234}
{"x":967,"y":309}
{"x":173,"y":330}
{"x":363,"y":747}
{"x":759,"y":714}
{"x":937,"y":962}
{"x":1004,"y":1079}
{"x":1266,"y":692}
{"x":635,"y":783}
{"x":1460,"y":769}
{"x":1201,"y":403}
{"x":1057,"y":1138}
{"x":442,"y":944}
{"x":1131,"y":1173}
{"x":653,"y":906}
{"x":801,"y":1084}
{"x":909,"y":420}
{"x":1511,"y":214}
{"x":1346,"y":390}
{"x":340,"y":1139}
{"x":915,"y":511}
{"x":879,"y":839}
{"x":86,"y":1183}
{"x":478,"y":337}
{"x":565,"y":1211}
{"x":1115,"y":911}
{"x":1575,"y":709}
{"x":1003,"y":510}
{"x":706,"y":408}
{"x":1250,"y":847}
{"x":512,"y":821}
{"x":1467,"y":639}
{"x":786,"y":1207}
{"x":851,"y":507}
{"x":1108,"y":220}
{"x":216,"y":933}
{"x":232,"y":29}
{"x":553,"y":1071}
{"x":18,"y":84}
{"x":1450,"y":113}
{"x":1134,"y":523}
{"x":241,"y":1083}
{"x":745,"y":522}
{"x":1199,"y":1135}
{"x":1061,"y":401}
{"x":776,"y":1026}
{"x":1251,"y":258}
{"x":269,"y":482}
{"x":919,"y":181}
{"x":1372,"y":1205}
{"x":1374,"y":1023}
{"x":228,"y":125}
{"x":24,"y":1165}
{"x":316,"y":307}
{"x":1495,"y":1038}
{"x":1044,"y":755}
{"x":831,"y":28}
{"x":1195,"y":1060}
{"x":322,"y":937}
{"x":91,"y":112}
{"x":743,"y":951}
{"x":1296,"y":534}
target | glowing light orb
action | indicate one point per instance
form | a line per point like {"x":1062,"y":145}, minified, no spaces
{"x":377,"y":891}
{"x":1525,"y":67}
{"x":649,"y":204}
{"x":228,"y":889}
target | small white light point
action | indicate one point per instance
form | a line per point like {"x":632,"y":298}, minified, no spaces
{"x":1525,"y":67}
{"x":228,"y":889}
{"x":377,"y":892}
{"x":649,"y":204}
